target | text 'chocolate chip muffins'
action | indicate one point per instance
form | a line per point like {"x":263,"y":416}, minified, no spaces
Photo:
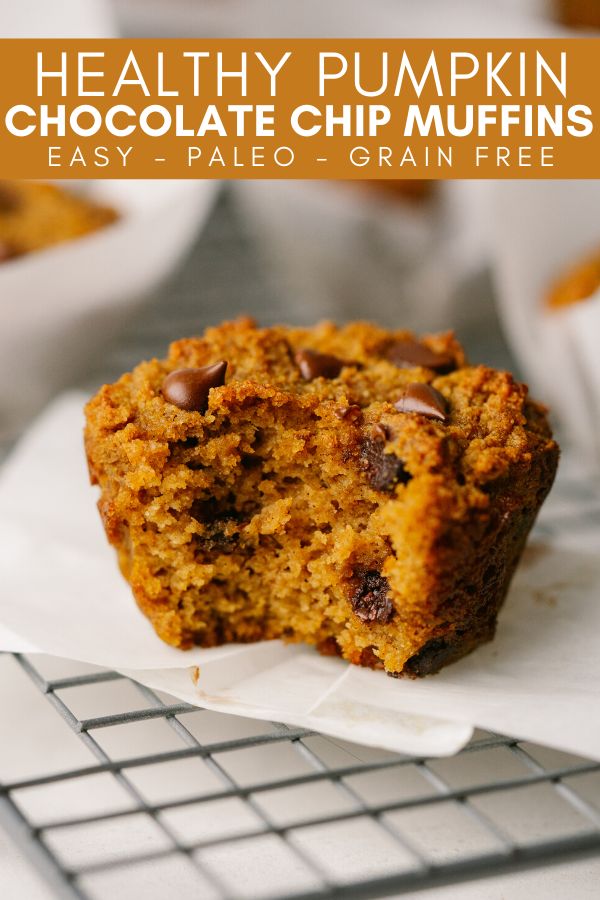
{"x":352,"y":488}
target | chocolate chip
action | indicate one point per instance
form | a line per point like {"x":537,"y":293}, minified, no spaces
{"x":423,"y":399}
{"x":405,"y":353}
{"x":188,"y":388}
{"x":380,"y":432}
{"x":370,"y":599}
{"x":383,"y":470}
{"x":352,"y":413}
{"x":430,"y":658}
{"x":215,"y":541}
{"x":210,"y":510}
{"x":216,"y":517}
{"x":315,"y":365}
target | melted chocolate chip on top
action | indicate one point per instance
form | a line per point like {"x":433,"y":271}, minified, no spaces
{"x":188,"y":388}
{"x":318,"y":365}
{"x":352,"y":413}
{"x":407,"y":353}
{"x":423,"y":399}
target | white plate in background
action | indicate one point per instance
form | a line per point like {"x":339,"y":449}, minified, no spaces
{"x":542,"y":230}
{"x":60,"y":304}
{"x":63,"y":303}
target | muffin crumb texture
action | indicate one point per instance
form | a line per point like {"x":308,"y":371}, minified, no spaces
{"x":353,"y":488}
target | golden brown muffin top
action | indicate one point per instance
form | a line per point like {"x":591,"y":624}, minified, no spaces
{"x":471,"y":422}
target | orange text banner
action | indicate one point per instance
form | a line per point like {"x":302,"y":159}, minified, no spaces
{"x":288,"y":108}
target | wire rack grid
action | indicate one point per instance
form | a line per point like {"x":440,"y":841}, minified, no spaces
{"x":300,"y":861}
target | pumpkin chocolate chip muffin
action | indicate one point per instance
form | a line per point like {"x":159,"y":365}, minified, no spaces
{"x":577,"y":284}
{"x":353,"y":488}
{"x":35,"y":215}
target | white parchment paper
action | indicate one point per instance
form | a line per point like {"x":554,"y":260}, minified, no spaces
{"x":61,"y":593}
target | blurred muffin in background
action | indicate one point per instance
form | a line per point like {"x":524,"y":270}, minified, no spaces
{"x":578,"y":13}
{"x":414,"y":190}
{"x":34,"y":215}
{"x":577,"y":284}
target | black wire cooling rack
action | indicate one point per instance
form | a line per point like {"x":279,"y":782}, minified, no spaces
{"x":382,"y":823}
